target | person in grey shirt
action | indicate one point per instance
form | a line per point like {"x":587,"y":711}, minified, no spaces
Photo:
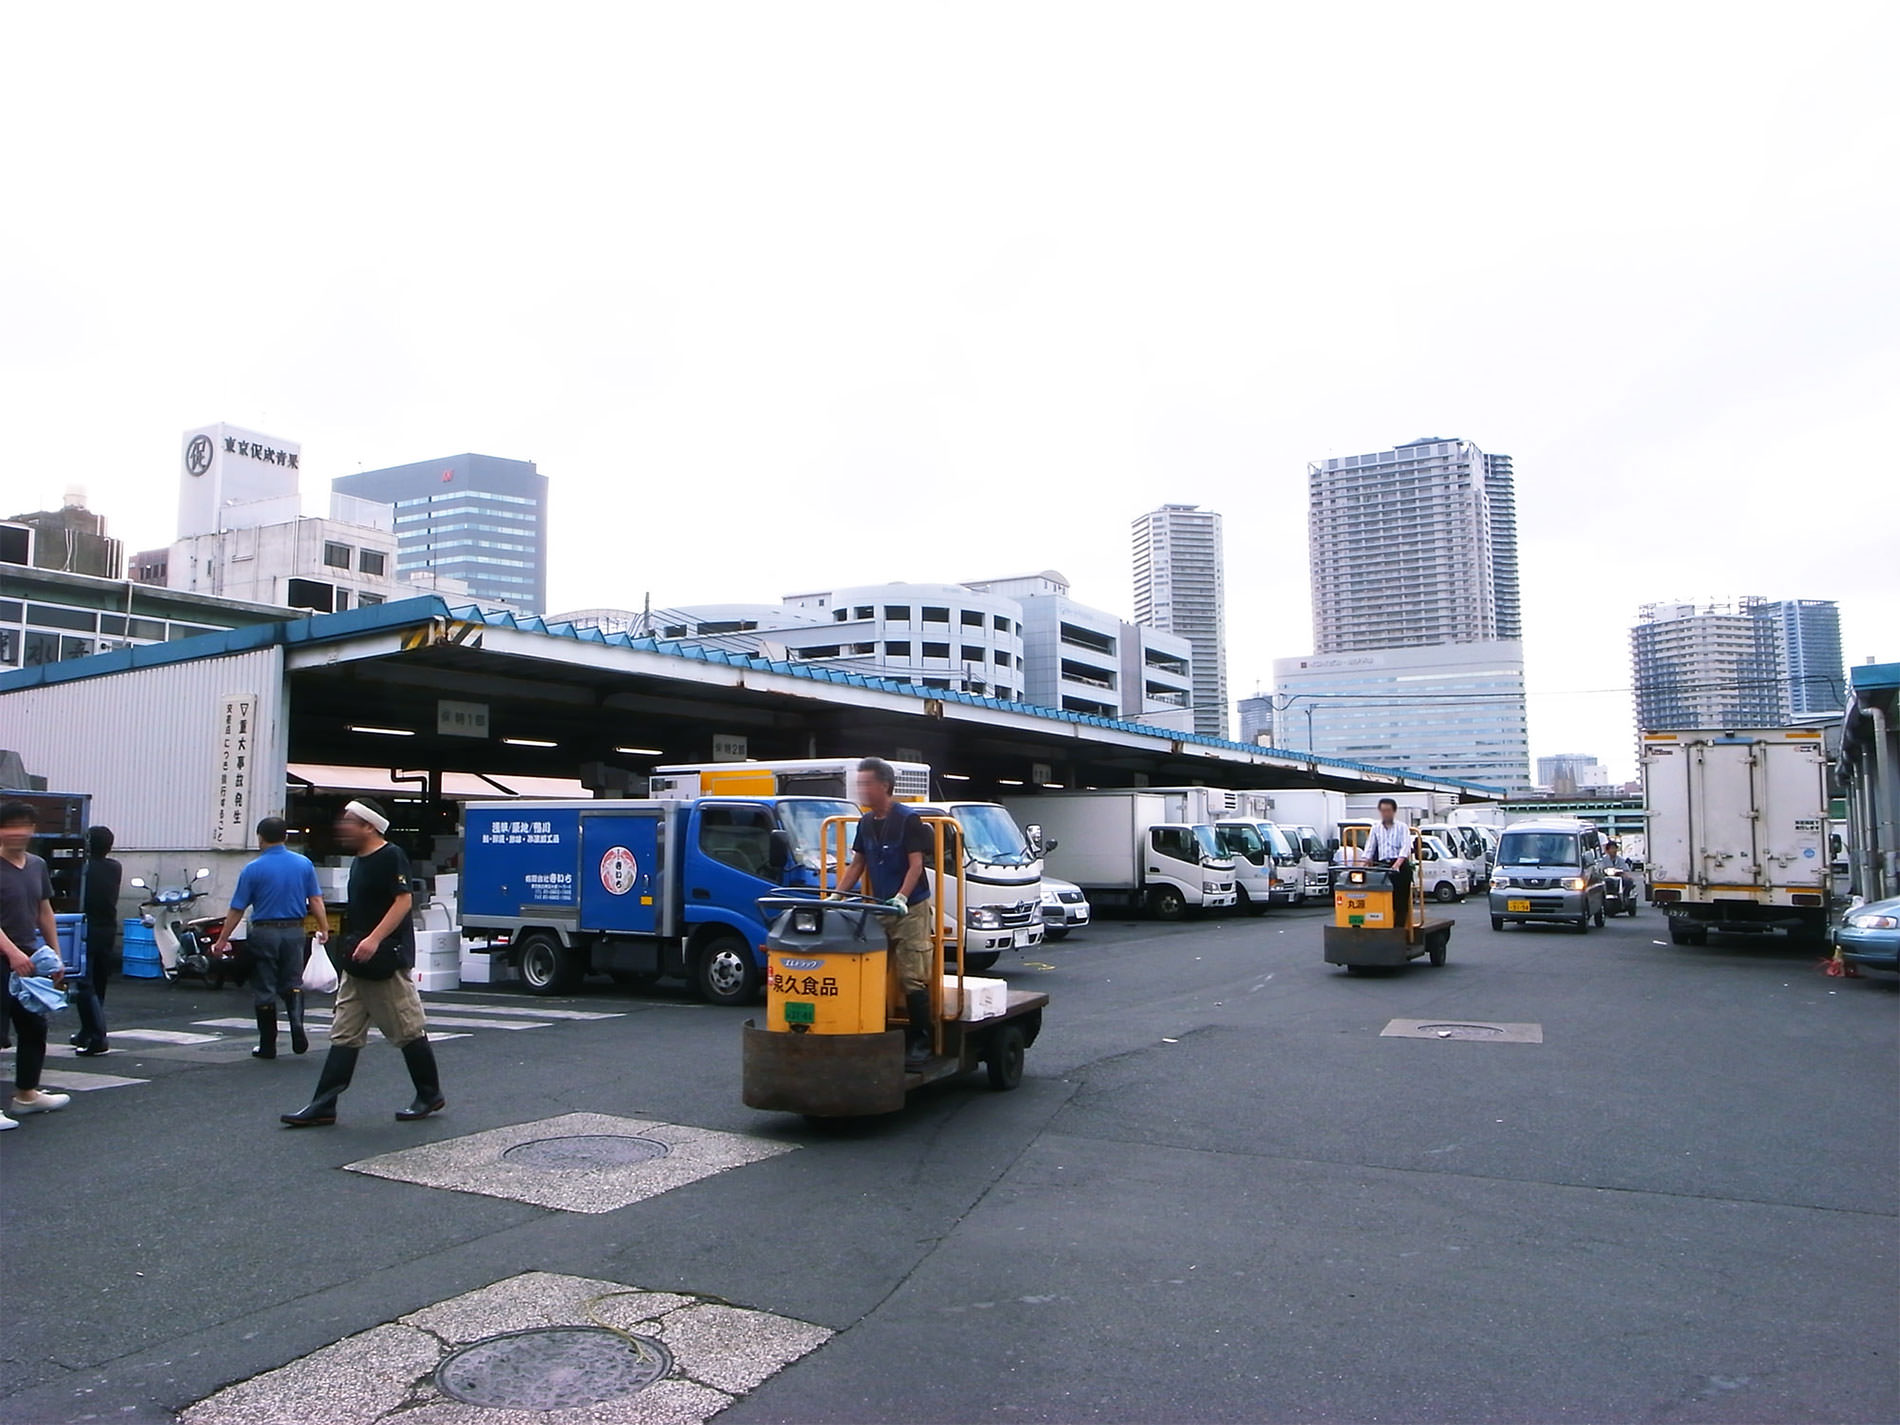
{"x":26,"y":924}
{"x":279,"y":889}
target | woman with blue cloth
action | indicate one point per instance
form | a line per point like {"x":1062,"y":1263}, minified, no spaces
{"x":29,"y":940}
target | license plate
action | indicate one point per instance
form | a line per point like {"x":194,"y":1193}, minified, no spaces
{"x":1023,"y":938}
{"x":797,"y":1012}
{"x":1517,"y":905}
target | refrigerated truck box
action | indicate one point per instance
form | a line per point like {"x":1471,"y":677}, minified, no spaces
{"x":1737,"y":835}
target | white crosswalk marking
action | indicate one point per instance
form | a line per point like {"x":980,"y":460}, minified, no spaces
{"x":318,"y":1028}
{"x":523,"y":1011}
{"x":168,"y":1036}
{"x":57,"y":1077}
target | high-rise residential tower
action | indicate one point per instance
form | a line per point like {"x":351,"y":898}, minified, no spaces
{"x":1417,"y":624}
{"x":1705,"y":665}
{"x":1808,"y":655}
{"x":1180,"y":589}
{"x":478,"y":519}
{"x":1413,"y":546}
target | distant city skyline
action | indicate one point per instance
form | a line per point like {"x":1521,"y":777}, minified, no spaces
{"x":1180,"y":588}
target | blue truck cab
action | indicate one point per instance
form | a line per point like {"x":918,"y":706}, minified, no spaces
{"x":637,"y":890}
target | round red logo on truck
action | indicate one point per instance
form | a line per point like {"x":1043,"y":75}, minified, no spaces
{"x":618,"y":870}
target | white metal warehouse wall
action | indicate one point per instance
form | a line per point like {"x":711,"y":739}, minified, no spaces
{"x":147,"y":744}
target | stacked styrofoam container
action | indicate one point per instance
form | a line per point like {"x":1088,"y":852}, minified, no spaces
{"x":438,"y":960}
{"x":481,"y":968}
{"x":334,"y":881}
{"x":982,"y":998}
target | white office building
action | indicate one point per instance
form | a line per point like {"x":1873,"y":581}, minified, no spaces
{"x":1712,"y":664}
{"x":1180,"y":588}
{"x":1019,"y":639}
{"x":1086,"y":660}
{"x":1451,"y":710}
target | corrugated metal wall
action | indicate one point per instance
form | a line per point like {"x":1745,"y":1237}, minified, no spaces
{"x":146,"y":744}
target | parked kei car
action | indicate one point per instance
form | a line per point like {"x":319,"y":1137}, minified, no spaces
{"x":1064,"y":908}
{"x":1869,"y":935}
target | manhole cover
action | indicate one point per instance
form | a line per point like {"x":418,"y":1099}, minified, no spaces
{"x":586,"y":1150}
{"x":1462,"y":1031}
{"x":553,"y":1368}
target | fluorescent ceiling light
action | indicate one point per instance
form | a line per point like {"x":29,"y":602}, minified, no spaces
{"x":641,"y":751}
{"x":529,"y":742}
{"x":1008,"y":782}
{"x":383,"y":731}
{"x":953,"y":776}
{"x":1057,"y":786}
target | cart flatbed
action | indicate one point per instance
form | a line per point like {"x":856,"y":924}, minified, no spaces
{"x":856,"y":1075}
{"x":1359,"y":946}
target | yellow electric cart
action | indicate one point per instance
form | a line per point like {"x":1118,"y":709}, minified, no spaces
{"x":827,"y":1048}
{"x":1375,"y":925}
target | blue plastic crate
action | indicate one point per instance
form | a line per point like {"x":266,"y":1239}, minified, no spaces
{"x":141,"y":953}
{"x":72,"y":942}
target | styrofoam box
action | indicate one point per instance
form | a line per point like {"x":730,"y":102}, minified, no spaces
{"x":487,"y":970}
{"x":438,"y":942}
{"x":982,"y":998}
{"x":430,"y":981}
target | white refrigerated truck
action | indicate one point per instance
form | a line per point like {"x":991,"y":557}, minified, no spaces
{"x":1737,"y":835}
{"x":1135,"y":847}
{"x":1313,"y":815}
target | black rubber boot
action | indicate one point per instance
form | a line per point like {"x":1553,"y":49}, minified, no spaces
{"x":419,"y":1055}
{"x":919,"y":1042}
{"x":338,"y":1069}
{"x":266,"y":1032}
{"x":293,"y":1012}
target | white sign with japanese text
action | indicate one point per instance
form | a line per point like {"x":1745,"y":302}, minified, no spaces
{"x":237,"y":736}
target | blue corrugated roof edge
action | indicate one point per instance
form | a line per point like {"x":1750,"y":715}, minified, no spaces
{"x":403,"y":613}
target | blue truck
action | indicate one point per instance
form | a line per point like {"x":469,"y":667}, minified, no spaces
{"x":638,"y":890}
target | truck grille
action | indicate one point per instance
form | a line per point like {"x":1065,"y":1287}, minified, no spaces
{"x":1022,"y":913}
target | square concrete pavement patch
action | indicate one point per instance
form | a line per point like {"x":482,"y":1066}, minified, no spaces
{"x":1481,"y":1030}
{"x":718,"y":1353}
{"x":577,"y":1162}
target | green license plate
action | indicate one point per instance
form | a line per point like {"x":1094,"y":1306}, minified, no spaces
{"x":800,"y":1013}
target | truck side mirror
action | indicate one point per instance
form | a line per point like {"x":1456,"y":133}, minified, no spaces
{"x":781,"y":852}
{"x":1033,"y":835}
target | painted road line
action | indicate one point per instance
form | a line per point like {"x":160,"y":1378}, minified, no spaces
{"x":318,"y":1027}
{"x":524,"y":1012}
{"x":62,"y":1078}
{"x":172,"y":1036}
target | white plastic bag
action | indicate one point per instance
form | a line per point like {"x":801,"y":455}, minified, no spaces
{"x":319,"y":975}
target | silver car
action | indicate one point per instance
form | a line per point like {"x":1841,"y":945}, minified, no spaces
{"x":1064,"y":908}
{"x":1550,"y":871}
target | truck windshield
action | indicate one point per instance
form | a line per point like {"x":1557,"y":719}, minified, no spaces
{"x":991,"y":834}
{"x":1278,"y":842}
{"x":1538,"y":848}
{"x":1240,"y":839}
{"x":1310,"y":845}
{"x":804,"y":822}
{"x":1208,"y":844}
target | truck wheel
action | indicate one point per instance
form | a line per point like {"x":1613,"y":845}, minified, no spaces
{"x":1497,"y":922}
{"x":1683,"y":934}
{"x":547,"y":966}
{"x":1055,"y":932}
{"x":725,"y":972}
{"x":981,"y":960}
{"x":1165,"y":903}
{"x":1444,"y":893}
{"x":1583,"y":924}
{"x":1004,"y":1057}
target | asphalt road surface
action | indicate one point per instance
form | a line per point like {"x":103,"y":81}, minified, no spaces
{"x":1220,"y":1193}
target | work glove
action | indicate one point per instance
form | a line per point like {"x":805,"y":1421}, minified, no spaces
{"x":899,"y":904}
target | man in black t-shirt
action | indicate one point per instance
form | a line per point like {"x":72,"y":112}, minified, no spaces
{"x":374,"y":957}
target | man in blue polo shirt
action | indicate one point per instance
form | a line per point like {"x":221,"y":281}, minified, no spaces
{"x":279,"y":889}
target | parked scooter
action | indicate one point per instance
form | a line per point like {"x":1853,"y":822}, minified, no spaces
{"x":185,"y":941}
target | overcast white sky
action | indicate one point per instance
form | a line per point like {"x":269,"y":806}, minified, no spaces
{"x":796,"y":294}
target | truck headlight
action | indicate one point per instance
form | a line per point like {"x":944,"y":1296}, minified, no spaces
{"x":982,"y":917}
{"x":1500,"y":881}
{"x":1212,"y":888}
{"x":1575,"y":883}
